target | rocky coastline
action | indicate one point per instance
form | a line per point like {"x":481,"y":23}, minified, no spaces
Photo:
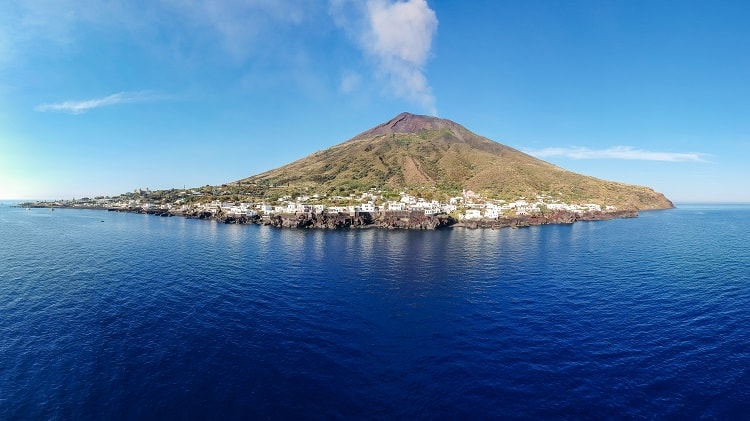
{"x":555,"y":218}
{"x":420,"y":221}
{"x":412,"y":220}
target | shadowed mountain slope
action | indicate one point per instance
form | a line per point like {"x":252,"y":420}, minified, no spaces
{"x":441,"y":158}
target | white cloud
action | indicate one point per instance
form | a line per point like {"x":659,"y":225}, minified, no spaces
{"x":618,"y":152}
{"x":258,"y":36}
{"x":80,"y":107}
{"x":397,"y":35}
{"x":403,"y":30}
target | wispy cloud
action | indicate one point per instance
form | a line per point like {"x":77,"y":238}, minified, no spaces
{"x":618,"y":152}
{"x":243,"y":27}
{"x":262,"y":37}
{"x":397,"y":35}
{"x":236,"y":28}
{"x":80,"y":107}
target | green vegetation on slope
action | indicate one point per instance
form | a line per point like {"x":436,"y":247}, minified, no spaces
{"x":439,"y":158}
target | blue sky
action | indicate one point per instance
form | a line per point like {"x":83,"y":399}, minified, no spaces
{"x":100,"y":98}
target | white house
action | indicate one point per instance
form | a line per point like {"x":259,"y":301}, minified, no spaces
{"x":557,"y":206}
{"x":265,"y":208}
{"x":241,"y":211}
{"x":448,"y":208}
{"x":491,"y":211}
{"x":405,"y":198}
{"x":396,"y":206}
{"x":473,"y":214}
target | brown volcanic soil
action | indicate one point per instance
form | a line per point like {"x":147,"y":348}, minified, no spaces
{"x":440,"y":157}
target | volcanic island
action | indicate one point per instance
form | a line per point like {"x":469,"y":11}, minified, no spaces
{"x":411,"y":172}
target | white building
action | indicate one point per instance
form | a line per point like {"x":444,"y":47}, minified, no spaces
{"x":448,"y":208}
{"x":241,"y":211}
{"x":396,"y":206}
{"x":592,"y":207}
{"x":405,"y":198}
{"x":367,"y":207}
{"x":473,"y":214}
{"x":265,"y":208}
{"x":492,"y":211}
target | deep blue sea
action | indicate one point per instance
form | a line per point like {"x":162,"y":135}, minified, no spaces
{"x":107,"y":315}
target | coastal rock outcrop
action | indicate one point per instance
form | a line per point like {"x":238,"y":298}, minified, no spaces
{"x":558,"y":217}
{"x":392,"y":220}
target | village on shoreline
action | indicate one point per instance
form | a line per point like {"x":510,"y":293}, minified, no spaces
{"x":369,"y":209}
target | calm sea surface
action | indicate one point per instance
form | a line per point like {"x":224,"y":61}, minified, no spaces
{"x":108,"y":315}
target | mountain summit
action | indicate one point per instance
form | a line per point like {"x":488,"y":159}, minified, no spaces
{"x":410,"y":123}
{"x":452,"y":132}
{"x":439,"y":158}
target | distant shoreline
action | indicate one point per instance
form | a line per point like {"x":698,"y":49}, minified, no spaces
{"x":411,"y":220}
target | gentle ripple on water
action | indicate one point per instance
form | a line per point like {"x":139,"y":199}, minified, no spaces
{"x":109,"y":315}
